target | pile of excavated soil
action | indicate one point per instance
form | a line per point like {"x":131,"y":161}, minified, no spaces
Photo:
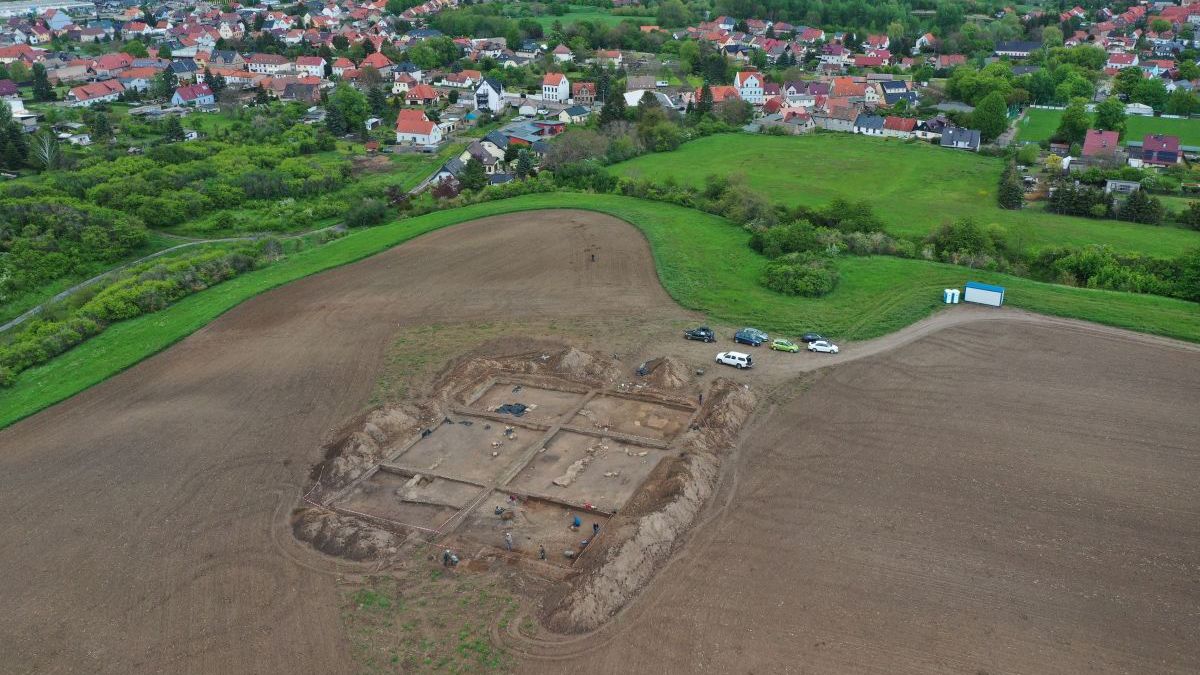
{"x":554,"y":364}
{"x":669,"y":373}
{"x":342,"y":536}
{"x":654,"y":530}
{"x":364,"y":441}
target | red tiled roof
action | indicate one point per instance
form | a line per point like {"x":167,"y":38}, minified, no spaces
{"x":414,"y":122}
{"x":96,"y":90}
{"x":899,"y":123}
{"x":721,"y":92}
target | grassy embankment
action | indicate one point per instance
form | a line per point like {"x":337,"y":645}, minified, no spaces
{"x":703,"y":262}
{"x":1040,"y":125}
{"x":913,"y":187}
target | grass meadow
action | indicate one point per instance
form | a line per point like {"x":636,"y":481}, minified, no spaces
{"x":913,"y":186}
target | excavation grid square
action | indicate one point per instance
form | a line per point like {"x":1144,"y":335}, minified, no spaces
{"x":533,"y":523}
{"x":546,"y":404}
{"x":419,"y":501}
{"x":583,"y":469}
{"x":630,"y":416}
{"x":470,"y":449}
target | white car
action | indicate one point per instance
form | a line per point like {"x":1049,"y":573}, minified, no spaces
{"x":735,"y":359}
{"x":823,"y":346}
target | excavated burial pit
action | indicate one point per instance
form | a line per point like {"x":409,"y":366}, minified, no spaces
{"x":551,"y":404}
{"x":630,"y":416}
{"x":589,"y":483}
{"x":464,"y":452}
{"x":536,"y":521}
{"x":425,"y":503}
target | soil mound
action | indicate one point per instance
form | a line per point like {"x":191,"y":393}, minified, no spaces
{"x":557,"y":362}
{"x":668,"y":373}
{"x":363,"y":442}
{"x":343,"y":536}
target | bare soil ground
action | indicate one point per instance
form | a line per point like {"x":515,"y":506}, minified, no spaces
{"x":994,"y":498}
{"x":145,"y":521}
{"x":983,"y":492}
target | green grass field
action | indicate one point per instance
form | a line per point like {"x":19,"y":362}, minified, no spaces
{"x":588,"y":13}
{"x":914,"y":187}
{"x":1039,"y":125}
{"x":703,"y":262}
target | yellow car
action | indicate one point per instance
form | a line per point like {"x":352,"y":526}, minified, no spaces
{"x":781,"y":345}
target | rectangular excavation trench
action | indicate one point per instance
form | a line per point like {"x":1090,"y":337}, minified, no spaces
{"x":581,"y":469}
{"x":633,"y":416}
{"x":545,"y":404}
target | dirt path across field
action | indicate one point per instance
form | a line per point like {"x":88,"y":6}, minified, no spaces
{"x":145,"y":522}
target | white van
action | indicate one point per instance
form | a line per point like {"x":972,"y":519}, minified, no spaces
{"x":735,"y":359}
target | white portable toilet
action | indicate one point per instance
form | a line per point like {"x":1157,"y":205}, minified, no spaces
{"x":984,"y":294}
{"x":955,"y":295}
{"x":947,"y":296}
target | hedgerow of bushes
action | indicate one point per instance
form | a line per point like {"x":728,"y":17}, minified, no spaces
{"x":140,"y":290}
{"x":42,"y":240}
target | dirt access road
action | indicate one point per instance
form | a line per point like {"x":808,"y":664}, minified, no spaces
{"x":864,"y":526}
{"x":145,"y":521}
{"x":999,"y":497}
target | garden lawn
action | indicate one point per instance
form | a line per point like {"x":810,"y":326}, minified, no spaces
{"x":1038,"y":125}
{"x":703,"y":262}
{"x":914,"y":187}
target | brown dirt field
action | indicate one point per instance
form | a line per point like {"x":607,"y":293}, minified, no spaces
{"x":146,"y":518}
{"x":948,"y":502}
{"x":964,"y":504}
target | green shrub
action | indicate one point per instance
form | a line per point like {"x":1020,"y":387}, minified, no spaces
{"x":140,"y":290}
{"x":796,"y":237}
{"x":804,"y":274}
{"x":366,"y":213}
{"x":965,"y":242}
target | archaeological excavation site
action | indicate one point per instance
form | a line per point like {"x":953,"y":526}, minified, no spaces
{"x":561,"y":463}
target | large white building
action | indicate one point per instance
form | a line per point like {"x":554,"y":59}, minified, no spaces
{"x":489,"y":95}
{"x":414,"y":128}
{"x":750,"y":86}
{"x":556,"y":88}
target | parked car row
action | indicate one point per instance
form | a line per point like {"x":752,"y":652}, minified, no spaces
{"x":754,"y":337}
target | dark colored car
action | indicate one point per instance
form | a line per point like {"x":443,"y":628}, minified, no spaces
{"x":811,"y":337}
{"x":751,"y":336}
{"x":703,"y":334}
